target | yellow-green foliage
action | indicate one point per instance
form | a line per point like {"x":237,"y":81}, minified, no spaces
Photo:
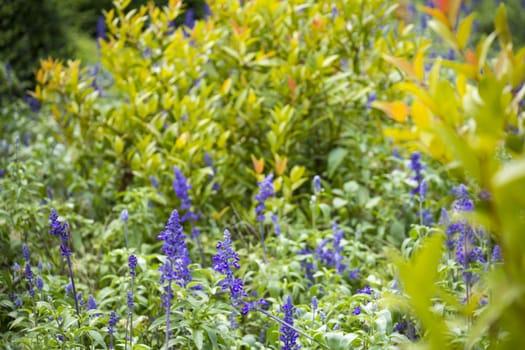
{"x":469,"y":115}
{"x":281,"y":81}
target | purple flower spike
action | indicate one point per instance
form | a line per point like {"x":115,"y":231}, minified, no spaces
{"x":289,"y":335}
{"x":266,"y":190}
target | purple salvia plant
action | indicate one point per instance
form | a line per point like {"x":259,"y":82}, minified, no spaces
{"x":182,"y":188}
{"x":124,"y":217}
{"x":466,"y":246}
{"x":289,"y":335}
{"x":62,"y":230}
{"x":175,"y":267}
{"x":266,"y":190}
{"x":316,"y":182}
{"x":132,"y":264}
{"x":224,"y":262}
{"x":112,"y":322}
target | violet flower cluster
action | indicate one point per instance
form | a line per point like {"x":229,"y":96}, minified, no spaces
{"x":416,"y":165}
{"x":112,"y":322}
{"x":330,"y":257}
{"x":175,"y":268}
{"x":289,"y":335}
{"x":61,"y":230}
{"x":461,"y":237}
{"x":266,"y":190}
{"x":182,"y":190}
{"x":28,"y":272}
{"x":224,"y":262}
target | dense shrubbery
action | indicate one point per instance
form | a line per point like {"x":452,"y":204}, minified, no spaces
{"x":296,"y":221}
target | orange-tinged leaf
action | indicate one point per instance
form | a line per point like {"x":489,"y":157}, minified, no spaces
{"x":258,"y":164}
{"x":280,"y":164}
{"x":443,"y":5}
{"x":471,"y":58}
{"x":438,"y":15}
{"x":291,"y":84}
{"x":402,"y":64}
{"x":396,"y":110}
{"x":236,"y":28}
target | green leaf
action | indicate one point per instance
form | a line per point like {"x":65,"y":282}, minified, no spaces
{"x":198,"y":338}
{"x":464,"y":30}
{"x":335,"y":158}
{"x":502,"y":26}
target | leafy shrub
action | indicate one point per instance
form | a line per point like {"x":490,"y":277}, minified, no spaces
{"x":478,"y":134}
{"x":246,"y":85}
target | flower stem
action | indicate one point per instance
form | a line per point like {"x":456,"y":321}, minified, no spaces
{"x":261,"y":225}
{"x":74,"y":288}
{"x":168,"y":307}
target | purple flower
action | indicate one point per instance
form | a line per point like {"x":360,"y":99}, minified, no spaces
{"x":132,"y":263}
{"x":371,"y":98}
{"x":445,"y":218}
{"x":25,"y":252}
{"x":189,"y":19}
{"x":277,"y":227}
{"x":426,"y":217}
{"x":356,"y":310}
{"x":29,"y":275}
{"x":289,"y":335}
{"x":365,"y":290}
{"x":61,"y":230}
{"x":18,"y":302}
{"x":224,"y":262}
{"x":154,"y":182}
{"x":317,"y":184}
{"x":496,"y":254}
{"x":39,"y":283}
{"x":353,"y":274}
{"x":182,"y":188}
{"x":266,"y":190}
{"x":406,"y":329}
{"x":130,"y":300}
{"x":463,"y":201}
{"x":417,"y":167}
{"x":314,"y":303}
{"x":91,"y":303}
{"x":101,"y":28}
{"x":57,"y":228}
{"x":335,"y":12}
{"x":124,"y":215}
{"x":112,"y":322}
{"x":175,"y":268}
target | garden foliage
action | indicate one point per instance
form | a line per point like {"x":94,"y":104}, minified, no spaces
{"x":230,"y":182}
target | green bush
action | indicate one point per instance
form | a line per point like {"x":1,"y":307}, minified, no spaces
{"x":31,"y":30}
{"x":285,"y":83}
